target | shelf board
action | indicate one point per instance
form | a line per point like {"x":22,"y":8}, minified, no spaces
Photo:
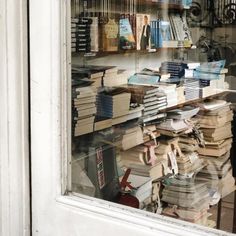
{"x":194,"y":101}
{"x":190,"y":102}
{"x":125,"y":52}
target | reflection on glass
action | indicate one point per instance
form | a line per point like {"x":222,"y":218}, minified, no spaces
{"x":153,"y":107}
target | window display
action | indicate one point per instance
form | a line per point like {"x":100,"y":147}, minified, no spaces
{"x":152,"y":107}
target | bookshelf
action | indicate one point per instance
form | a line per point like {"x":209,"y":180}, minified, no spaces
{"x":114,"y":54}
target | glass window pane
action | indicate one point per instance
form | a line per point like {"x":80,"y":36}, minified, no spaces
{"x":153,"y":106}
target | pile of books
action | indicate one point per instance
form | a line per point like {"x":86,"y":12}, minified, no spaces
{"x":84,"y":109}
{"x":215,"y":122}
{"x":187,"y":200}
{"x":113,"y":103}
{"x":132,"y":136}
{"x":181,"y":162}
{"x":84,"y":32}
{"x":92,"y":73}
{"x":141,"y":161}
{"x":170,"y":91}
{"x":173,"y":127}
{"x":211,"y":77}
{"x":192,"y":89}
{"x":150,"y":97}
{"x":176,"y":69}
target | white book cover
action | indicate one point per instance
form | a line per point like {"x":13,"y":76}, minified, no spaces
{"x":143,"y":31}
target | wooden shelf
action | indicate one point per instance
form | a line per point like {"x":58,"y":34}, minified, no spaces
{"x":194,"y":101}
{"x":190,"y":102}
{"x":124,"y":52}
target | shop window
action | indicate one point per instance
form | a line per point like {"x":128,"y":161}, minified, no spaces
{"x":152,"y":118}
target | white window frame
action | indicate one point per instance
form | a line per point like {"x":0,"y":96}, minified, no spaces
{"x":14,"y":122}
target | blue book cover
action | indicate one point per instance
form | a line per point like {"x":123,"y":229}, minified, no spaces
{"x":164,"y":32}
{"x":155,"y":34}
{"x":127,"y":40}
{"x":144,"y":79}
{"x":206,"y":76}
{"x":214,"y":67}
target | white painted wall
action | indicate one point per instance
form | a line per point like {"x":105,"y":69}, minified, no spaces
{"x":54,"y":214}
{"x":14,"y":155}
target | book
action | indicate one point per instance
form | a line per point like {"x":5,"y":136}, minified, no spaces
{"x":155,"y":34}
{"x":110,"y":36}
{"x":126,"y":40}
{"x":143,"y":32}
{"x":132,"y":139}
{"x":83,"y":129}
{"x":216,"y":152}
{"x":142,"y":185}
{"x":142,"y":79}
{"x":153,"y":172}
{"x":185,"y":113}
{"x":94,"y":34}
{"x":102,"y":123}
{"x":215,"y":67}
{"x":165,"y":33}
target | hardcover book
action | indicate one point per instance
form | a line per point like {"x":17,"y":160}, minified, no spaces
{"x":143,"y":31}
{"x":110,"y":33}
{"x":126,"y":40}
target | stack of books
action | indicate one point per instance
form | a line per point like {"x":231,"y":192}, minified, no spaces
{"x":74,"y":22}
{"x":188,"y":143}
{"x":150,"y":97}
{"x":212,"y":77}
{"x":92,"y":73}
{"x":132,"y":136}
{"x":173,"y":127}
{"x":167,"y":152}
{"x":81,"y":28}
{"x":215,"y":123}
{"x":176,"y":126}
{"x":171,"y":93}
{"x":175,"y":68}
{"x":141,"y":162}
{"x":113,"y":103}
{"x":84,"y":109}
{"x":150,"y":132}
{"x":187,"y":200}
{"x":184,"y":113}
{"x":192,"y":89}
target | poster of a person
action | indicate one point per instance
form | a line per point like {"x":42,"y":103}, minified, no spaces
{"x":145,"y":37}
